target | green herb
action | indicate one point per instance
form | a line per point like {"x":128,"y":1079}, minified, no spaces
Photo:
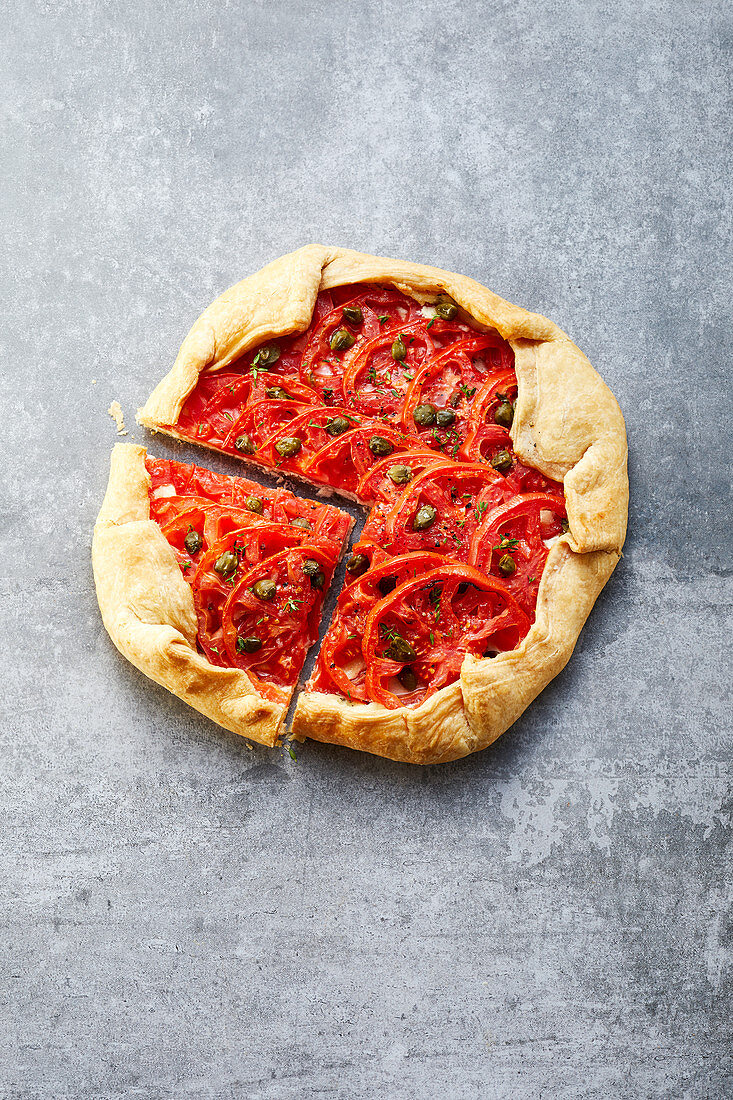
{"x":430,"y":323}
{"x":505,"y":543}
{"x":383,"y":317}
{"x":290,"y":752}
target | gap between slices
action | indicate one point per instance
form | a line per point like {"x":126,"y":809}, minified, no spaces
{"x":408,"y":410}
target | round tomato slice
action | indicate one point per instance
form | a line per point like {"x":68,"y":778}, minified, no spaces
{"x":311,"y":429}
{"x":512,"y":542}
{"x":262,"y":420}
{"x":484,"y":437}
{"x":441,"y":508}
{"x":341,"y":664}
{"x":343,"y":463}
{"x":429,"y":625}
{"x":285,"y":623}
{"x":385,"y":483}
{"x":449,"y":380}
{"x":378,"y":372}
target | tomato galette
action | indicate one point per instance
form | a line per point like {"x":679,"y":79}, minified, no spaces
{"x":491,"y":459}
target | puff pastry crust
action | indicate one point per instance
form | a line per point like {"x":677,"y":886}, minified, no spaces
{"x":567,"y":424}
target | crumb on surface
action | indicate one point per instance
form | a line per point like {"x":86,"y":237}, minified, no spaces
{"x":115,"y":411}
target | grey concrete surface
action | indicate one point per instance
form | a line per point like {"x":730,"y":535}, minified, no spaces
{"x":185,"y":916}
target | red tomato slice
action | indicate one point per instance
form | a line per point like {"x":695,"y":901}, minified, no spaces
{"x":449,"y":380}
{"x":377,"y":485}
{"x":310,"y":429}
{"x":286,"y":625}
{"x":343,"y":463}
{"x":430,"y":624}
{"x":518,"y":530}
{"x":457,"y":493}
{"x":375,"y":383}
{"x":341,"y":664}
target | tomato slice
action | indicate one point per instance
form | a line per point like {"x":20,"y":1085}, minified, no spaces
{"x":375,"y":382}
{"x":285,"y":624}
{"x":512,"y":542}
{"x":311,"y":429}
{"x":343,"y":463}
{"x":341,"y":664}
{"x":448,"y":381}
{"x":455,"y":494}
{"x":429,"y":625}
{"x":377,"y":484}
{"x":484,"y":437}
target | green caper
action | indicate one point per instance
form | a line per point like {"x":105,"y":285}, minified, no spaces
{"x":504,"y":414}
{"x":424,"y":415}
{"x":446,"y":308}
{"x":254,"y":504}
{"x":337,"y":426}
{"x":506,"y":565}
{"x":313,"y":570}
{"x":226,"y":564}
{"x":268,"y":354}
{"x":565,"y":526}
{"x":288,"y":447}
{"x":299,"y":521}
{"x":399,"y":474}
{"x":380,"y":446}
{"x":407,"y":678}
{"x":277,"y":393}
{"x":386,"y":585}
{"x":400,"y":650}
{"x":248,"y":645}
{"x":264,"y":590}
{"x":357,"y":564}
{"x":352,"y":314}
{"x":445,"y":417}
{"x":244,"y":444}
{"x":193,"y":542}
{"x":341,"y":340}
{"x":502,"y":460}
{"x":424,"y":517}
{"x":399,"y":351}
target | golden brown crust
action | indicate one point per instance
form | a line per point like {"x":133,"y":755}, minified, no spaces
{"x":148,"y":611}
{"x":567,"y":424}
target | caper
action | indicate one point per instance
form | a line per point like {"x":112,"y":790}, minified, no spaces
{"x":399,"y":474}
{"x":337,"y":426}
{"x":248,"y":645}
{"x":424,"y":517}
{"x":341,"y":340}
{"x":564,"y":525}
{"x":313,"y":570}
{"x":446,"y":308}
{"x":407,"y":678}
{"x":193,"y":542}
{"x":254,"y":504}
{"x":269,"y":353}
{"x":299,"y":521}
{"x":226,"y":564}
{"x":288,"y":447}
{"x":504,"y":414}
{"x":380,"y":446}
{"x":244,"y":444}
{"x":386,"y":585}
{"x":400,"y":650}
{"x":264,"y":590}
{"x":506,"y":565}
{"x":502,"y":460}
{"x":399,"y":351}
{"x":424,"y":415}
{"x":445,"y":417}
{"x":277,"y":393}
{"x":357,"y":564}
{"x":352,"y":314}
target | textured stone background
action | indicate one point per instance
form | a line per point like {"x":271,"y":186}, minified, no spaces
{"x":184,"y":916}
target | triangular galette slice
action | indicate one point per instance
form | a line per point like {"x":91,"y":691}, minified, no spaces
{"x":213,"y":585}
